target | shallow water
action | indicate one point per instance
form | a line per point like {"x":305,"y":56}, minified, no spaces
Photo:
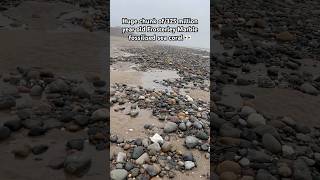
{"x":150,"y":76}
{"x":123,"y":72}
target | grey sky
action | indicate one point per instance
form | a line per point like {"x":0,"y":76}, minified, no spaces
{"x":199,"y":9}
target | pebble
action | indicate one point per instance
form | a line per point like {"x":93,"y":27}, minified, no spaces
{"x":264,"y":175}
{"x":135,"y":172}
{"x":264,"y":129}
{"x":119,"y":174}
{"x":137,"y":152}
{"x":258,"y":156}
{"x":153,"y":170}
{"x":255,"y":120}
{"x":156,"y":138}
{"x":155,"y":147}
{"x":242,"y":122}
{"x":182,"y":126}
{"x":22,"y":151}
{"x":205,"y":147}
{"x":77,"y":164}
{"x":77,"y":144}
{"x":166,"y":147}
{"x":4,"y":133}
{"x":170,"y":127}
{"x":246,"y":111}
{"x":202,"y":135}
{"x":271,"y":143}
{"x":309,"y":89}
{"x":129,"y":166}
{"x":197,"y":125}
{"x":289,"y":121}
{"x":113,"y":138}
{"x":134,"y":113}
{"x":244,"y":162}
{"x":188,"y":156}
{"x":228,"y":166}
{"x":287,"y":151}
{"x":301,"y":170}
{"x":189,"y":98}
{"x":142,"y":159}
{"x":39,"y":149}
{"x":121,"y":157}
{"x":7,"y":102}
{"x":13,"y":124}
{"x":191,"y":141}
{"x":36,"y":90}
{"x":99,"y":115}
{"x":284,"y":171}
{"x":57,"y":86}
{"x":189,"y":165}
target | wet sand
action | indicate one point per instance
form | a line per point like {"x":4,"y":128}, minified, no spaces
{"x":295,"y":104}
{"x":199,"y":94}
{"x":35,"y":167}
{"x":119,"y":42}
{"x":277,"y":102}
{"x":69,"y":53}
{"x":131,"y":128}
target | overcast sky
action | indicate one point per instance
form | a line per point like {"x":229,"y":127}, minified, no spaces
{"x":199,"y":9}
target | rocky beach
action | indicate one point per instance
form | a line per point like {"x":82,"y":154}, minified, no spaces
{"x":265,"y":90}
{"x":159,"y":115}
{"x":53,"y":90}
